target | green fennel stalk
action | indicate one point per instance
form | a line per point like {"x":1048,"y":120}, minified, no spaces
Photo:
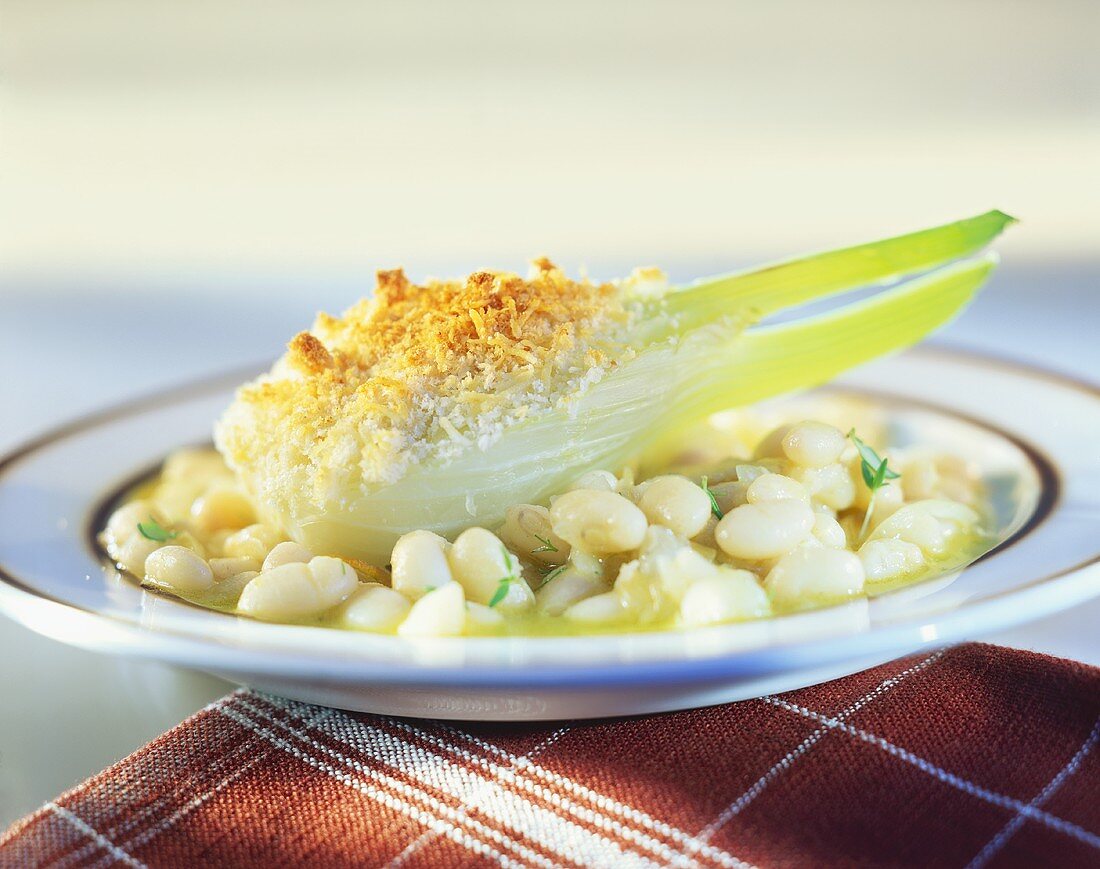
{"x":697,"y":352}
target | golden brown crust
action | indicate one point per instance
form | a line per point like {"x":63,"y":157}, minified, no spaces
{"x":445,"y":327}
{"x":419,"y":370}
{"x":307,"y":354}
{"x":391,"y":286}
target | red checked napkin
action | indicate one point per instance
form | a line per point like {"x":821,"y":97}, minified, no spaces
{"x":974,"y":756}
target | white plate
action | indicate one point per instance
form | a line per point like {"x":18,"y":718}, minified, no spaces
{"x":1035,"y":436}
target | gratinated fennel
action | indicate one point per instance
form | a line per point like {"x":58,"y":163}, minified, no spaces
{"x":437,"y":406}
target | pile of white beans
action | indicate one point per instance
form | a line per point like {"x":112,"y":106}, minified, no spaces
{"x":777,"y":532}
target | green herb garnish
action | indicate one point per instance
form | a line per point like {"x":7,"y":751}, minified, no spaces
{"x":153,"y":530}
{"x":553,"y":574}
{"x":505,"y":581}
{"x":547,"y":545}
{"x":714,"y":508}
{"x":876,"y":473}
{"x":501,"y":592}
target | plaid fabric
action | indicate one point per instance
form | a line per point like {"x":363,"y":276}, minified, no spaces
{"x":975,"y":756}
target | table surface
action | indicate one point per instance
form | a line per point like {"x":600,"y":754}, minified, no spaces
{"x":66,"y":350}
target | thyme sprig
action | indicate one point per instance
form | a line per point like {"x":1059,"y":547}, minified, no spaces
{"x":553,"y":574}
{"x":876,"y":473}
{"x":547,"y":545}
{"x":714,"y":508}
{"x":506,"y":581}
{"x":153,"y":530}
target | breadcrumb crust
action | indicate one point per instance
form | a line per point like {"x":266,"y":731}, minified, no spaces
{"x":419,"y":373}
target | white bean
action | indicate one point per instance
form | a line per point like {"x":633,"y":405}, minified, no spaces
{"x":286,"y":552}
{"x":830,"y":485}
{"x":480,"y":563}
{"x":771,"y":445}
{"x":133,"y":552}
{"x":817,"y":574}
{"x":591,"y":565}
{"x":602,"y":609}
{"x":676,"y":503}
{"x":281,"y":594}
{"x":748,"y":473}
{"x":813,"y":444}
{"x":222,"y":507}
{"x":439,"y":613}
{"x":929,"y":524}
{"x":298,"y":591}
{"x":829,"y":532}
{"x":725,"y":596}
{"x":253,"y":541}
{"x":124,"y":522}
{"x":595,"y":481}
{"x":775,"y":487}
{"x":600,"y":523}
{"x":758,"y":531}
{"x":888,"y":558}
{"x":224,"y":568}
{"x":334,"y":577}
{"x":888,"y":500}
{"x":177,"y":568}
{"x":565,"y":588}
{"x":194,"y":465}
{"x":660,"y":542}
{"x":419,"y":563}
{"x":666,"y":557}
{"x":374,"y":607}
{"x":175,"y":498}
{"x":889,"y":495}
{"x":940,"y":476}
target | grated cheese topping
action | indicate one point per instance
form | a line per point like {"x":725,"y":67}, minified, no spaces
{"x":420,"y":373}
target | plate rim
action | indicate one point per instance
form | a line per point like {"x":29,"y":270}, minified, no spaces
{"x":1042,"y":462}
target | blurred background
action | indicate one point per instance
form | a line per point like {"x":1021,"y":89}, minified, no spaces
{"x":272,"y":155}
{"x":183,"y":184}
{"x":159,"y":139}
